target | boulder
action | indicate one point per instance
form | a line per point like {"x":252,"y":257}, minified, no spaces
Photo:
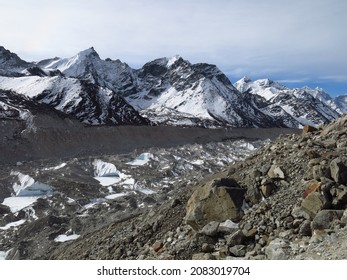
{"x":338,"y":171}
{"x":217,"y":200}
{"x":275,"y":172}
{"x":236,"y":238}
{"x":340,"y":200}
{"x":325,"y":218}
{"x":313,"y":203}
{"x":211,"y":229}
{"x":207,"y":248}
{"x":305,"y":228}
{"x":276,"y":249}
{"x":228,"y":227}
{"x":238,"y":250}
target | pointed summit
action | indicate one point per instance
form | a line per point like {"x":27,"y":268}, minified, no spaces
{"x":88,"y":53}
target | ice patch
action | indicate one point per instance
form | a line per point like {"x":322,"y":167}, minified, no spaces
{"x":17,"y":203}
{"x":105,"y":169}
{"x":108,"y":181}
{"x":248,"y":146}
{"x":94,"y":202}
{"x":107,"y":173}
{"x":141,"y":159}
{"x":28,"y":187}
{"x":115,"y":195}
{"x":128,"y":183}
{"x":27,"y":191}
{"x":14,"y":224}
{"x":64,"y":237}
{"x":197,"y":162}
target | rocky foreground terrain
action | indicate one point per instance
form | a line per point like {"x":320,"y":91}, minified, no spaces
{"x":286,"y":200}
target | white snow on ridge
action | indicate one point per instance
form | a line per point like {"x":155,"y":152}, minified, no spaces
{"x":172,"y":60}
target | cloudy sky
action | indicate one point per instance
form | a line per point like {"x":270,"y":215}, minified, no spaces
{"x":296,"y":42}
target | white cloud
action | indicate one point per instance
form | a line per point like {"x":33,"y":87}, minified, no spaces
{"x":267,"y":37}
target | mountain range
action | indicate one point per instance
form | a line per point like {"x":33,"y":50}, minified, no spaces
{"x":165,"y":91}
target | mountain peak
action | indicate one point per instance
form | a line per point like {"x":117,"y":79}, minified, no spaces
{"x":172,"y":60}
{"x":88,"y":53}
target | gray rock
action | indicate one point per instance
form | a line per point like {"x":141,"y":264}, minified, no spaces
{"x":254,"y":194}
{"x":211,"y":229}
{"x":275,"y":172}
{"x":317,"y":172}
{"x":325,"y":218}
{"x":207,"y":248}
{"x":236,"y":238}
{"x":276,"y":249}
{"x":338,"y":171}
{"x":299,"y":212}
{"x":266,"y":190}
{"x":238,"y":250}
{"x":305,"y":228}
{"x":228,"y":227}
{"x":340,"y":199}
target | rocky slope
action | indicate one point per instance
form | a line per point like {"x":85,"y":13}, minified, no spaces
{"x":287,"y":200}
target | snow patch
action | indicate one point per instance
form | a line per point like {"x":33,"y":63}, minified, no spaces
{"x":107,"y":173}
{"x":27,"y":191}
{"x":141,"y":159}
{"x":13,"y":224}
{"x":64,"y":237}
{"x":172,"y":60}
{"x":105,"y":169}
{"x":116,"y":195}
{"x":55,"y":167}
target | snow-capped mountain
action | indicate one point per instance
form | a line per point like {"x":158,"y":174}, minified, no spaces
{"x":341,"y":102}
{"x":169,"y":91}
{"x":88,"y":102}
{"x":83,"y":99}
{"x":305,"y":105}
